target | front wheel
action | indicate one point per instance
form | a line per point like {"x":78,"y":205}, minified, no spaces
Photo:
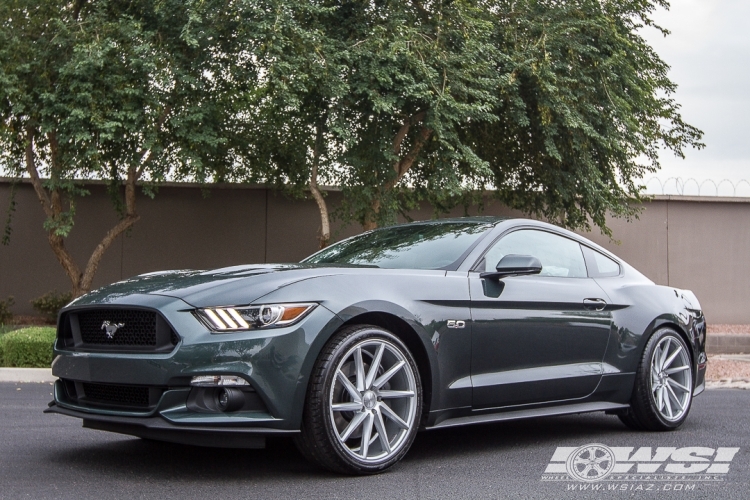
{"x":363,"y":404}
{"x":664,"y":385}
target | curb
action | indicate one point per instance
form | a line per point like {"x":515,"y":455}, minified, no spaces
{"x":38,"y":375}
{"x":739,"y":383}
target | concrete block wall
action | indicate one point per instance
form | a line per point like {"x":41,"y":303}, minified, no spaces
{"x":698,"y":243}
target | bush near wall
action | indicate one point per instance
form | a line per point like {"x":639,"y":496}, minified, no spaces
{"x":5,"y":305}
{"x":27,"y":347}
{"x":49,"y":304}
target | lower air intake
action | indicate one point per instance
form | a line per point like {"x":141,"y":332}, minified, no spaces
{"x":124,"y":395}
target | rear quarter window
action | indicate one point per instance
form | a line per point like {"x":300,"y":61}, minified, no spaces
{"x":599,"y":265}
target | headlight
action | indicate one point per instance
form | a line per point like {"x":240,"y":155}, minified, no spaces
{"x":232,"y":319}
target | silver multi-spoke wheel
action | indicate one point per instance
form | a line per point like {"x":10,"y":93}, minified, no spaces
{"x":364,"y":402}
{"x":671,"y":378}
{"x":373,"y":400}
{"x":662,"y":393}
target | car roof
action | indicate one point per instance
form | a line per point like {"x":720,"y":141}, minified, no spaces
{"x":495,"y":221}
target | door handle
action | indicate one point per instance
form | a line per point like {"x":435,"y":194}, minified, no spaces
{"x":594,"y":304}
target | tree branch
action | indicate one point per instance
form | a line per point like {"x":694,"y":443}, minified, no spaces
{"x":403,"y":164}
{"x":77,"y":6}
{"x":41,"y":194}
{"x":407,"y":161}
{"x":147,"y":156}
{"x":131,"y":217}
{"x":401,"y":134}
{"x":101,"y":248}
{"x":55,"y":173}
{"x":325,"y":226}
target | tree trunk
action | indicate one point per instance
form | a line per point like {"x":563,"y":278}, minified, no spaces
{"x":371,"y":220}
{"x":52,"y":204}
{"x":131,"y":217}
{"x":325,"y":224}
{"x":52,"y":209}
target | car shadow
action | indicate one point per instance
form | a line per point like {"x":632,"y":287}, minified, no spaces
{"x":134,"y":458}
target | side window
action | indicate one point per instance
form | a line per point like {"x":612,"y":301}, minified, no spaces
{"x":600,"y":266}
{"x":559,"y":256}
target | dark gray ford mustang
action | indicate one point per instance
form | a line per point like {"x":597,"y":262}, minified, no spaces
{"x":359,"y":346}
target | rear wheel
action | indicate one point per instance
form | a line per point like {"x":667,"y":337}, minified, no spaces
{"x":363,"y":404}
{"x":664,"y":385}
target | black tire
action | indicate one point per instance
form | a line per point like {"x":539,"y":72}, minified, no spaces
{"x":320,"y":440}
{"x":644,"y":414}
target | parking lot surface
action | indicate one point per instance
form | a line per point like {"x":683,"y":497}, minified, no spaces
{"x":51,"y":456}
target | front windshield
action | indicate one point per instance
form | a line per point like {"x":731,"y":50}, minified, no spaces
{"x":411,"y":246}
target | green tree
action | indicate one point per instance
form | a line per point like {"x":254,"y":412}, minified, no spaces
{"x":130,"y":92}
{"x":556,"y":107}
{"x":420,"y":74}
{"x":584,"y":107}
{"x":295,"y":145}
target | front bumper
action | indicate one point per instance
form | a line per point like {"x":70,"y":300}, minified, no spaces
{"x":276,"y":363}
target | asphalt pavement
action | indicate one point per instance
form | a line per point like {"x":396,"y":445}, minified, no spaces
{"x":51,"y":456}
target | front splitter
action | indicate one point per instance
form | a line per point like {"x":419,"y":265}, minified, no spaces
{"x":158,"y":429}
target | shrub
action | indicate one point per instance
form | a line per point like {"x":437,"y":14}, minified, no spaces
{"x":5,"y":305}
{"x":49,"y":304}
{"x":28,"y":347}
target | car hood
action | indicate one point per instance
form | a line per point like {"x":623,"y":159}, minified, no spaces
{"x":236,"y":285}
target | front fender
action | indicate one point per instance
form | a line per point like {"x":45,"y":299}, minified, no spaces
{"x":425,"y":301}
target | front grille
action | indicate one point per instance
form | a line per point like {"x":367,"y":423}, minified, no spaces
{"x":112,"y":329}
{"x":129,"y":327}
{"x":133,"y":396}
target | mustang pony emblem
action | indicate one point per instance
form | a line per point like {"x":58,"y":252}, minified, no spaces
{"x":111,"y":328}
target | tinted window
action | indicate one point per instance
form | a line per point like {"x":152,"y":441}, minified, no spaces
{"x":411,"y":246}
{"x":600,"y":266}
{"x":559,"y":256}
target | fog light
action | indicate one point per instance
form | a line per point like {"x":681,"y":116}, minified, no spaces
{"x":230,"y":399}
{"x":218,"y":381}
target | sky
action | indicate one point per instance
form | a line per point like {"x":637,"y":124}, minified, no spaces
{"x":709,"y":54}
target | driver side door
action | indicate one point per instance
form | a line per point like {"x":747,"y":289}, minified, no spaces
{"x":536,"y":338}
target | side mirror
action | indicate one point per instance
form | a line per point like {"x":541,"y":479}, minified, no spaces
{"x":514,"y":265}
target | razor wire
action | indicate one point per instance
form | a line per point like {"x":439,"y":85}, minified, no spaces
{"x":693,"y":187}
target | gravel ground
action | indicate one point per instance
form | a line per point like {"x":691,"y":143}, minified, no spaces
{"x":728,"y":371}
{"x":721,"y":368}
{"x":723,"y":371}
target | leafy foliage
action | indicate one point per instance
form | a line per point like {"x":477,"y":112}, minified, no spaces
{"x":556,"y":107}
{"x":49,"y":304}
{"x":584,"y":107}
{"x":27,"y":348}
{"x":114,"y":81}
{"x":123,"y":91}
